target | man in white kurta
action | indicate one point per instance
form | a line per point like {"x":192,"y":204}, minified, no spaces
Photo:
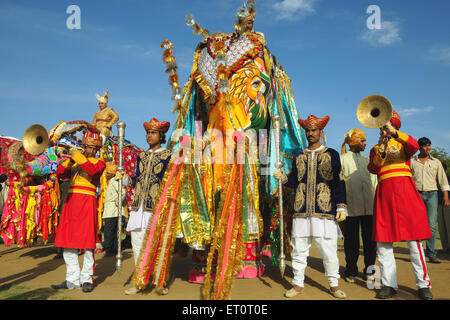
{"x":110,"y":214}
{"x":319,"y":206}
{"x":360,"y":186}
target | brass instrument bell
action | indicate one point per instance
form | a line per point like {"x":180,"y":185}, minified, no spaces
{"x":35,"y":139}
{"x":374,"y":111}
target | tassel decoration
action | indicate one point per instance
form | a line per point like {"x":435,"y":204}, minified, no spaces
{"x":171,"y":68}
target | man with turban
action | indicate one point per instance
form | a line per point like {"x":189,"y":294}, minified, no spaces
{"x":104,"y":118}
{"x":320,"y":203}
{"x":150,"y":168}
{"x":360,"y":186}
{"x":77,"y":228}
{"x":399,"y":213}
{"x":110,"y":214}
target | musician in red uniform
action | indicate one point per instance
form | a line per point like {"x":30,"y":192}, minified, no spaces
{"x":77,"y":227}
{"x":399,"y":213}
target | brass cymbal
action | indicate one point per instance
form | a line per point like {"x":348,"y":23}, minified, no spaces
{"x":374,"y":111}
{"x":35,"y":139}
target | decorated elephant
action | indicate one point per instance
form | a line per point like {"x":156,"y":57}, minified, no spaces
{"x":218,"y":186}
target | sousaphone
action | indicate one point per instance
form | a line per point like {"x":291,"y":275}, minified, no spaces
{"x":374,"y":111}
{"x":35,"y":139}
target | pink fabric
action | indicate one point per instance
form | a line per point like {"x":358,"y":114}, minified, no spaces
{"x":154,"y":222}
{"x":227,"y":243}
{"x":22,"y":229}
{"x":7,"y":220}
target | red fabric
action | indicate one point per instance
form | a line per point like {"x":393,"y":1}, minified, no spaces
{"x":399,"y":213}
{"x":395,"y":119}
{"x":77,"y":227}
{"x":45,"y":214}
{"x":94,"y":170}
{"x":411,"y":147}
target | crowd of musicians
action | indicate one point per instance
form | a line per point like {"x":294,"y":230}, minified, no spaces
{"x":390,"y":196}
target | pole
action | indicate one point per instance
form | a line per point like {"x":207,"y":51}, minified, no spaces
{"x":121,"y":132}
{"x":279,"y":165}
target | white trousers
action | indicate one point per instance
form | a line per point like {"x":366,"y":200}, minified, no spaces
{"x":74,"y":277}
{"x":137,"y":237}
{"x":328,"y":251}
{"x":385,"y":255}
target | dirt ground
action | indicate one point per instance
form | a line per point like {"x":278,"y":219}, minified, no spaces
{"x":26,"y":274}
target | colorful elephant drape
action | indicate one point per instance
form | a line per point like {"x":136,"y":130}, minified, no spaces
{"x":225,"y":151}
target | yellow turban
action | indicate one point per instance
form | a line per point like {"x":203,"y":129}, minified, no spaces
{"x":111,"y":168}
{"x":352,"y":138}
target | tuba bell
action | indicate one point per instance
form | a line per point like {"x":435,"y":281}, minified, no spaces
{"x":374,"y":111}
{"x":35,"y":139}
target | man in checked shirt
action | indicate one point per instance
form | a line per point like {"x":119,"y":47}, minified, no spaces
{"x":428,"y":173}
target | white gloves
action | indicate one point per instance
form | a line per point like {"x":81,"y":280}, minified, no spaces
{"x":278,"y":174}
{"x":341,"y":215}
{"x":390,"y":129}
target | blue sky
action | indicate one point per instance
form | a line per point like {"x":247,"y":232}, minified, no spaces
{"x":49,"y":73}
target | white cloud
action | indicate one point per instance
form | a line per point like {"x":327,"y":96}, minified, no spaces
{"x":293,"y":9}
{"x":440,"y":54}
{"x":386,"y":36}
{"x":413,"y":111}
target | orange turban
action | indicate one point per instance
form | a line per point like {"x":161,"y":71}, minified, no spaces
{"x":154,"y":124}
{"x":352,"y":138}
{"x":111,"y":168}
{"x":314,"y":122}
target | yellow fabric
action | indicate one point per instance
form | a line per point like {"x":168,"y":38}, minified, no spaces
{"x":90,"y":193}
{"x":395,"y":158}
{"x":79,"y":158}
{"x":81,"y":178}
{"x":29,"y":216}
{"x":66,"y":163}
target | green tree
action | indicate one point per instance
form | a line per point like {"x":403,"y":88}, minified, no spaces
{"x":443,"y":156}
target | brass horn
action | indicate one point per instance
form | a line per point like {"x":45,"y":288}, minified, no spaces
{"x":374,"y":111}
{"x":35,"y":139}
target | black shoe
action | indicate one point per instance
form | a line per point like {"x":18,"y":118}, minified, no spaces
{"x":88,"y":287}
{"x":59,"y":286}
{"x":425,"y":294}
{"x":434,"y":260}
{"x":386,"y":292}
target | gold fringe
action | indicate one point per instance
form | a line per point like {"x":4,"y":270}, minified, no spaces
{"x":141,"y":282}
{"x":236,"y":251}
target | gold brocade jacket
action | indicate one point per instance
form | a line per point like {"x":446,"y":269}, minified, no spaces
{"x":150,"y":168}
{"x":318,"y":183}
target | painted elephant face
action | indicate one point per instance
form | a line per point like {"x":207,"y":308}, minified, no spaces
{"x":249,"y":88}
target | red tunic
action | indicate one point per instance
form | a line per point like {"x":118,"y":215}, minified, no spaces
{"x":399,"y":213}
{"x":77,"y":227}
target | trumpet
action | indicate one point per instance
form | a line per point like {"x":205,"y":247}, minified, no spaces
{"x":67,"y":147}
{"x":373,"y":112}
{"x":36,"y":140}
